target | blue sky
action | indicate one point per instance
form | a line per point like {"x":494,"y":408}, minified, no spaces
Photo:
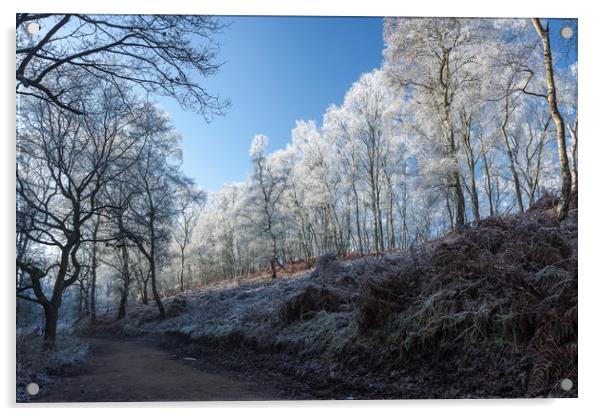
{"x":277,"y":70}
{"x":565,"y":49}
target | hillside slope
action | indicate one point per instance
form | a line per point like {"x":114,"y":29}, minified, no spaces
{"x":487,"y":311}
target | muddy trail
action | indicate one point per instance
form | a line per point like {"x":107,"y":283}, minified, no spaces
{"x":124,"y":370}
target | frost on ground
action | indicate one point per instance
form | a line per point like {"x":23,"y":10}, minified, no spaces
{"x":35,"y":365}
{"x":487,"y":311}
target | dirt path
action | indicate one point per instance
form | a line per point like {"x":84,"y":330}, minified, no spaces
{"x":124,"y":370}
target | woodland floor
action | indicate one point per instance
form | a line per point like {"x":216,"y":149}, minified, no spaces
{"x":122,"y":370}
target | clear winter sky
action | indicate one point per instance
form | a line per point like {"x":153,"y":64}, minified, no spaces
{"x":278,"y":70}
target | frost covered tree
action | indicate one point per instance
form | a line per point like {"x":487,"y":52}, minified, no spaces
{"x":452,"y":128}
{"x":369,"y":150}
{"x":444,"y":133}
{"x":189,"y":201}
{"x":433,"y":60}
{"x":268,"y":183}
{"x":315,"y":184}
{"x":470,"y":89}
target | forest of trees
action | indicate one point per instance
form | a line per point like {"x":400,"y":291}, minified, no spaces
{"x":465,"y":119}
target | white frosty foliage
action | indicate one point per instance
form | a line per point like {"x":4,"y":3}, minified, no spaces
{"x":258,"y":145}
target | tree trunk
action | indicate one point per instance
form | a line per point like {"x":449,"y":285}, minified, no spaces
{"x":515,"y":178}
{"x":470,"y":160}
{"x":375,"y":215}
{"x":156,"y":295}
{"x":80,"y":300}
{"x":51,"y":317}
{"x":380,"y":222}
{"x":474,"y":196}
{"x":489,"y":186}
{"x":574,"y":137}
{"x":94,"y":266}
{"x":182,"y":269}
{"x":153,"y":271}
{"x":51,"y":307}
{"x":126,"y":282}
{"x":390,"y":219}
{"x":274,"y":260}
{"x":357,"y":217}
{"x":93,"y":284}
{"x":460,"y":207}
{"x":273,"y":266}
{"x":145,"y":291}
{"x":448,"y":124}
{"x":404,"y":209}
{"x":450,"y":214}
{"x":565,"y":172}
{"x":533,"y":179}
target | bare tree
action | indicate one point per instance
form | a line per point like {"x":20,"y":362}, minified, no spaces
{"x":70,"y":160}
{"x":159,"y":54}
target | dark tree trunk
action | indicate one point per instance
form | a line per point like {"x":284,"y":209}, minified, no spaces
{"x":357,"y":219}
{"x":80,"y":300}
{"x":51,"y":307}
{"x":404,"y":208}
{"x":274,"y":259}
{"x":444,"y":76}
{"x":51,"y":317}
{"x":515,"y":178}
{"x":182,"y":269}
{"x":474,"y":197}
{"x":450,"y":214}
{"x":460,"y":207}
{"x":391,"y":225}
{"x":489,"y":186}
{"x":94,"y":266}
{"x":126,"y":282}
{"x":93,"y":285}
{"x":156,"y":295}
{"x":273,"y":267}
{"x":153,"y":268}
{"x":380,"y":222}
{"x":145,"y":291}
{"x":470,"y":159}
